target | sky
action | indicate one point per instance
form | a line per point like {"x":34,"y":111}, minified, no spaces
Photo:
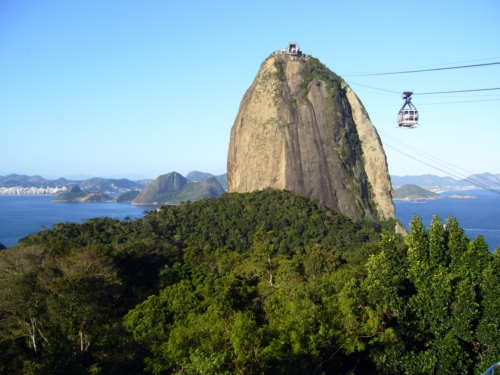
{"x":143,"y":88}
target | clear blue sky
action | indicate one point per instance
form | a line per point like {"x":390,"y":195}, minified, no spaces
{"x":113,"y":88}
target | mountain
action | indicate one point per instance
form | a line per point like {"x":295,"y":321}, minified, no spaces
{"x":95,"y":184}
{"x":486,"y":179}
{"x":129,"y":196}
{"x":222,"y":180}
{"x":75,"y":194}
{"x":198,"y":176}
{"x":300,"y":127}
{"x":173,"y":188}
{"x":13,"y":180}
{"x":414,"y":192}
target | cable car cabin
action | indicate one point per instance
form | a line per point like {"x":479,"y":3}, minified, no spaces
{"x":408,"y":115}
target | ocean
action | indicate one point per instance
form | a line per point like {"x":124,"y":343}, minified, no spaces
{"x":478,"y":216}
{"x":25,"y":214}
{"x":21,"y":215}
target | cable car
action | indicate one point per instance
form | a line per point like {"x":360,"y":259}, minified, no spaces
{"x":408,"y":115}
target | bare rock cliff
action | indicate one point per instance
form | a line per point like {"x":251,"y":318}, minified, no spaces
{"x":300,"y":127}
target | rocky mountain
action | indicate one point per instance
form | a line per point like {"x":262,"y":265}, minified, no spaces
{"x":414,"y":192}
{"x":173,"y":188}
{"x":300,"y":127}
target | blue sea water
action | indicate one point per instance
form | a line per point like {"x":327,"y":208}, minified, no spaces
{"x":22,"y":215}
{"x":478,"y":216}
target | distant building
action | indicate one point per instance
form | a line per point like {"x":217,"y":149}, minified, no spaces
{"x":292,"y":50}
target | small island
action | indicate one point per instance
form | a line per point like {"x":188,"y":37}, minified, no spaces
{"x":412,"y":192}
{"x":462,"y":196}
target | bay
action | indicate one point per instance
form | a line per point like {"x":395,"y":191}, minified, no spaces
{"x":477,"y":216}
{"x":21,"y":215}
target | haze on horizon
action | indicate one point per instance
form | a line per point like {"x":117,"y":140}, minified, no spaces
{"x":122,"y":88}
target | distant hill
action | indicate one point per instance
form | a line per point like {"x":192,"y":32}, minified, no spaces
{"x":95,"y":184}
{"x":75,"y":194}
{"x":426,"y":180}
{"x":199,"y":176}
{"x":485,"y":179}
{"x":173,"y":188}
{"x":414,"y":192}
{"x":129,"y":196}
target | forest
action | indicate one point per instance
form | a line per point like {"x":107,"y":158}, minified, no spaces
{"x":268,"y":282}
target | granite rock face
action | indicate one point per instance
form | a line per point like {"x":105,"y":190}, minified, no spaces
{"x":300,"y":127}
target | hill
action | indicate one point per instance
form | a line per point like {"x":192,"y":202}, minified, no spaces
{"x":414,"y":192}
{"x":129,"y":196}
{"x":300,"y":127}
{"x":198,"y":176}
{"x":95,"y":184}
{"x":486,"y":179}
{"x":75,"y":194}
{"x":173,"y":188}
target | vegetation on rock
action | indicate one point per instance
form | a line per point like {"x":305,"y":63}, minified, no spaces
{"x":269,"y":282}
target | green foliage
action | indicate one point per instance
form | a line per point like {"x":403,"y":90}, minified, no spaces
{"x":262,"y":283}
{"x":431,"y":299}
{"x":280,"y":73}
{"x":315,"y":69}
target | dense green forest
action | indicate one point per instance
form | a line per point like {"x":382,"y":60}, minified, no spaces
{"x":268,"y":282}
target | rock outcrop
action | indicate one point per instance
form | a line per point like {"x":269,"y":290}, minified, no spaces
{"x":300,"y":127}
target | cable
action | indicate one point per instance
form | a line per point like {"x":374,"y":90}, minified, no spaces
{"x":419,"y":104}
{"x":429,"y":66}
{"x":464,"y":101}
{"x":371,"y":87}
{"x":475,"y":183}
{"x":422,"y":70}
{"x":449,"y":92}
{"x":414,"y":149}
